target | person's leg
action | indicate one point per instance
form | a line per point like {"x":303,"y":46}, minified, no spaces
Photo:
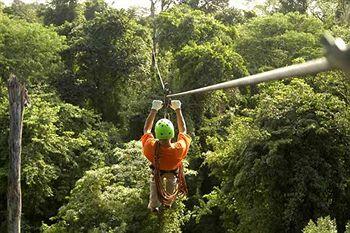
{"x":153,"y":196}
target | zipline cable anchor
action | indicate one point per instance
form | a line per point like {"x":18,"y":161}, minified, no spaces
{"x":337,"y":53}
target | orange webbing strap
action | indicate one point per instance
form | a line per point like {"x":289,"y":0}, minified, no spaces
{"x":165,"y":197}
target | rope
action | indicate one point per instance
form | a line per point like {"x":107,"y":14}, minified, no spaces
{"x":164,"y":196}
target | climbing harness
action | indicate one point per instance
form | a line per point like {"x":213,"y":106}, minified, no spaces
{"x":164,"y":196}
{"x":337,"y":56}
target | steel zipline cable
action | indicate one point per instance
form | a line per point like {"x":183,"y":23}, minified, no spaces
{"x":166,"y":90}
{"x":157,"y":69}
{"x":310,"y":67}
{"x":337,"y":56}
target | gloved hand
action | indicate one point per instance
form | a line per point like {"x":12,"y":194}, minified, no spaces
{"x":175,"y":104}
{"x":157,"y":104}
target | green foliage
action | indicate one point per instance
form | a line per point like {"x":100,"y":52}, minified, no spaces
{"x":4,"y":131}
{"x":223,"y":148}
{"x":209,"y":205}
{"x":323,"y":225}
{"x":105,"y":53}
{"x":342,"y":12}
{"x":60,"y":11}
{"x":231,"y":16}
{"x":306,"y":143}
{"x":2,"y":6}
{"x":266,"y":159}
{"x":342,"y":32}
{"x":209,"y":6}
{"x":276,"y":40}
{"x":334,"y":82}
{"x":96,"y":206}
{"x":202,"y":54}
{"x":295,"y":5}
{"x":94,"y":7}
{"x":171,"y":220}
{"x":326,"y":11}
{"x":28,"y":12}
{"x":114,"y":199}
{"x":301,"y":140}
{"x":182,"y":25}
{"x":31,"y":51}
{"x":208,"y":63}
{"x":60,"y":142}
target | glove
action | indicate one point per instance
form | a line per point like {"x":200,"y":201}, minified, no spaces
{"x":175,"y":104}
{"x":157,"y":104}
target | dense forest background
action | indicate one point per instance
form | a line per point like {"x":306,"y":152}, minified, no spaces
{"x":267,"y":158}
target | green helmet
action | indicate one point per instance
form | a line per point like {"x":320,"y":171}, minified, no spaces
{"x":164,"y":129}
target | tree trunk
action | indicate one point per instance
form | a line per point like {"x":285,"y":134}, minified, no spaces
{"x":14,"y":202}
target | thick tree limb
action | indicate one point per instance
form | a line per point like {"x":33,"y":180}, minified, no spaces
{"x":18,"y":98}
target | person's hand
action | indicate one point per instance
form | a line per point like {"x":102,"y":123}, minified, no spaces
{"x":157,"y":104}
{"x":175,"y":104}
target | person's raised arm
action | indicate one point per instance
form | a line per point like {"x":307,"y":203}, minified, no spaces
{"x":176,"y":106}
{"x":156,"y":105}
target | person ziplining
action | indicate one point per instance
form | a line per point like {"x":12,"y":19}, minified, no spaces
{"x":167,"y":178}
